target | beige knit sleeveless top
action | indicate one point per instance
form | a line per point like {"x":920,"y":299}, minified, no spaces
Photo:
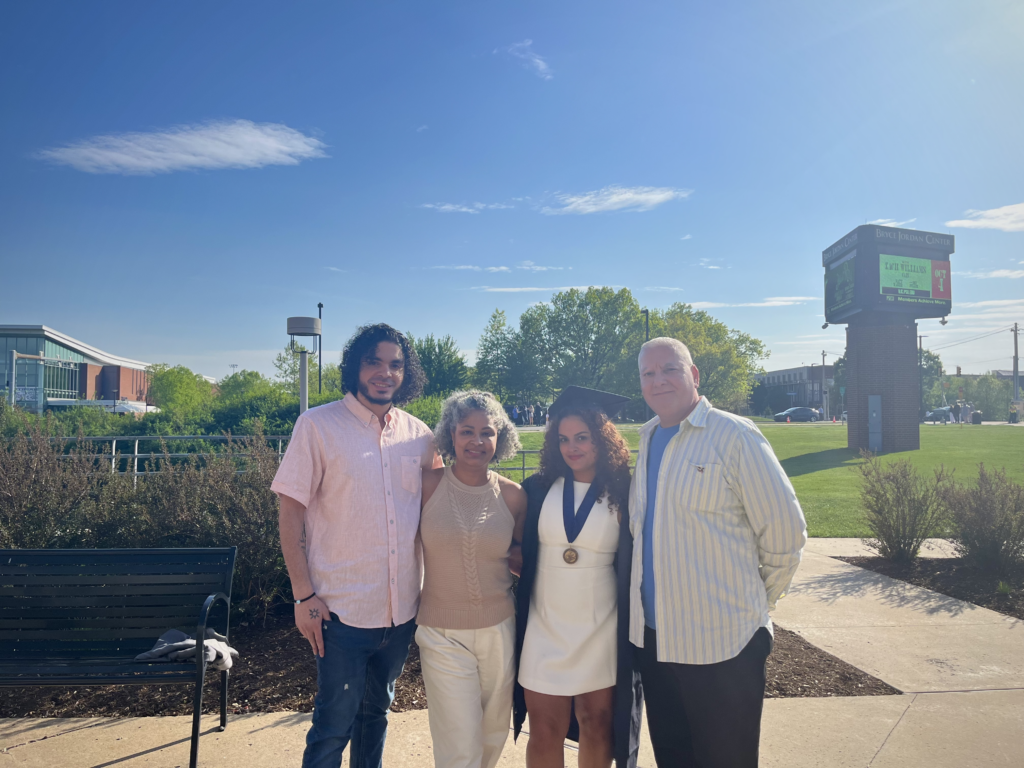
{"x":466,"y":532}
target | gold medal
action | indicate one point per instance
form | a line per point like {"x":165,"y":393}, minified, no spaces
{"x":570,"y":555}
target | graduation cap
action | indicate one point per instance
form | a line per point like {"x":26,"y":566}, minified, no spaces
{"x":582,"y":397}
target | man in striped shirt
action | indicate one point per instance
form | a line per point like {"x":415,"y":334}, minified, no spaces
{"x":717,"y":536}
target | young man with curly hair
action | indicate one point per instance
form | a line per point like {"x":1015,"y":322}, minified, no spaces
{"x":350,"y":486}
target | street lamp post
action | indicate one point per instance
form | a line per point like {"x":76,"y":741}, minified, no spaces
{"x":320,"y":350}
{"x":647,"y":337}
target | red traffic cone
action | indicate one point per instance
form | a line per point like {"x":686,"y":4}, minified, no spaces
{"x":787,"y":420}
{"x":833,"y":419}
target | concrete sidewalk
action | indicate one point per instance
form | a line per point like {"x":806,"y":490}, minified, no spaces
{"x":912,"y":638}
{"x":943,"y":730}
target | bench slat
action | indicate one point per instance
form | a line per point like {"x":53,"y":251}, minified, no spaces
{"x":114,"y":589}
{"x":100,"y":579}
{"x":100,"y":612}
{"x":153,"y":622}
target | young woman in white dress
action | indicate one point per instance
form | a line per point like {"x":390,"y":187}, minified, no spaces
{"x":569,"y":657}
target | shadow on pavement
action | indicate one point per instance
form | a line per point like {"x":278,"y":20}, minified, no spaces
{"x":831,"y":587}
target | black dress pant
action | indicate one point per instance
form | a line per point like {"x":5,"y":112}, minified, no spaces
{"x":705,"y":715}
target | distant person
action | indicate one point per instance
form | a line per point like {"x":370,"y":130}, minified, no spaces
{"x":349,"y":486}
{"x":718,"y":533}
{"x":471,"y":518}
{"x":573,"y":594}
{"x":967,"y":411}
{"x":955,"y":412}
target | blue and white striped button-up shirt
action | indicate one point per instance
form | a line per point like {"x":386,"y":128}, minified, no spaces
{"x":728,"y":534}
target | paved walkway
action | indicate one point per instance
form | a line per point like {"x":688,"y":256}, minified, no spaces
{"x":960,"y":665}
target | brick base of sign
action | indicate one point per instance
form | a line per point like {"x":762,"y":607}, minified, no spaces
{"x":881,"y":359}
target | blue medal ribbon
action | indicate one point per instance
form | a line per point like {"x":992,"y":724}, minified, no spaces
{"x":573,"y":520}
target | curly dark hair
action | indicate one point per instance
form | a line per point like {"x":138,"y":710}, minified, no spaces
{"x":612,"y":455}
{"x":364,"y":343}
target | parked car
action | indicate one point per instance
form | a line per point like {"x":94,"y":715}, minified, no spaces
{"x":797,"y":414}
{"x":939,"y":414}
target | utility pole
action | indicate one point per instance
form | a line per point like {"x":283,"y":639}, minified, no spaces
{"x":1016,"y":366}
{"x":824,"y":400}
{"x":320,"y":351}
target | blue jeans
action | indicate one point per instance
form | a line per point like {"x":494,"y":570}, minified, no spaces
{"x":355,"y":687}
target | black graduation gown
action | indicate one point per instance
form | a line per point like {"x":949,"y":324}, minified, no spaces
{"x":628,"y":691}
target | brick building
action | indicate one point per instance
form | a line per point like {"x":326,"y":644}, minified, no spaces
{"x":70,"y":373}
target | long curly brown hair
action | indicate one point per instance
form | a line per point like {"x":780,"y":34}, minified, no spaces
{"x":612,"y":455}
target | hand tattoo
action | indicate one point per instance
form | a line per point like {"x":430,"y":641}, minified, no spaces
{"x":314,"y":613}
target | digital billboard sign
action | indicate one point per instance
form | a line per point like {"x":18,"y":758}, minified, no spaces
{"x":883,"y":269}
{"x":912,"y":281}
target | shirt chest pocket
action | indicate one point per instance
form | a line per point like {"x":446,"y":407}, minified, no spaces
{"x":411,"y":477}
{"x":703,"y":488}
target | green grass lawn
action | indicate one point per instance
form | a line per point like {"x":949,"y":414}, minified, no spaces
{"x":824,"y":471}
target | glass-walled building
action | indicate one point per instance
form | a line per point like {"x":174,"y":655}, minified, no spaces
{"x":62,"y":372}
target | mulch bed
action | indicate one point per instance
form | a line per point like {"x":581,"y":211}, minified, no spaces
{"x":277,"y":673}
{"x":955,"y":578}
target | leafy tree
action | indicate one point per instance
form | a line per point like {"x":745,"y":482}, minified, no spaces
{"x":442,"y":362}
{"x":179,"y":391}
{"x":513,"y":362}
{"x":243,"y":384}
{"x":590,"y":335}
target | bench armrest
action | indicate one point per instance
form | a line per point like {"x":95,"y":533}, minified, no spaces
{"x":204,"y":615}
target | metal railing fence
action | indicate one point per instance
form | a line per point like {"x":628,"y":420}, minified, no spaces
{"x":128,"y":463}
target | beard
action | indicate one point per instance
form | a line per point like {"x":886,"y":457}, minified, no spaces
{"x":364,"y":390}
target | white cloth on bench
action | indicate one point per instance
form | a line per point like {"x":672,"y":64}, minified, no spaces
{"x":175,"y":645}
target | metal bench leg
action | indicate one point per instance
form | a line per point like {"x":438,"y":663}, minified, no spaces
{"x":197,"y":711}
{"x":224,"y":699}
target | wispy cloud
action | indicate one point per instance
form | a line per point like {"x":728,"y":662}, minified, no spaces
{"x":205,"y":146}
{"x":423,"y":128}
{"x":991,"y":303}
{"x":461,"y":208}
{"x":686,"y":237}
{"x":615,"y":198}
{"x":775,"y":301}
{"x":1005,"y":274}
{"x":662,"y":288}
{"x":892,"y":222}
{"x":473,"y":268}
{"x":335,"y":269}
{"x":1009,"y":218}
{"x":530,"y":59}
{"x":533,"y":289}
{"x":529,"y":265}
{"x":707,"y":264}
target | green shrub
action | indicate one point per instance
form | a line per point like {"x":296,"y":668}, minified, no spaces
{"x":988,"y":520}
{"x":426,"y":409}
{"x":902,"y":508}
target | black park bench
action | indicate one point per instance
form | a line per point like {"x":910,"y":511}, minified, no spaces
{"x":81,"y":616}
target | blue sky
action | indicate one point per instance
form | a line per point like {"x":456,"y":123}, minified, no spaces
{"x":177,"y":179}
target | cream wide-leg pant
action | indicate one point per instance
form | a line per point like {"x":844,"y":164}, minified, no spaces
{"x":469,"y":675}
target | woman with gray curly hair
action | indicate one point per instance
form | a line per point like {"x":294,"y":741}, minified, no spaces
{"x":472,"y":518}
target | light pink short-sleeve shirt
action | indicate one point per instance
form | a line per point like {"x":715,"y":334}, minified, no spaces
{"x":361,"y":486}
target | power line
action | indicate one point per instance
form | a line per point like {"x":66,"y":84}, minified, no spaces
{"x":966,"y":341}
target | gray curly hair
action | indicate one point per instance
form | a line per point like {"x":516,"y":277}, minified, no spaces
{"x":458,"y":406}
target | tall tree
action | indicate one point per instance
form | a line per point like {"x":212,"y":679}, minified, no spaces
{"x":178,"y":390}
{"x":513,"y":362}
{"x":443,"y":363}
{"x":590,"y":335}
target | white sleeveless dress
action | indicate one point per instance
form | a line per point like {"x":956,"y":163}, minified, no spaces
{"x":570,"y":643}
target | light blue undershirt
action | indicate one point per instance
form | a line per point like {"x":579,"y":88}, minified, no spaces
{"x":659,"y":441}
